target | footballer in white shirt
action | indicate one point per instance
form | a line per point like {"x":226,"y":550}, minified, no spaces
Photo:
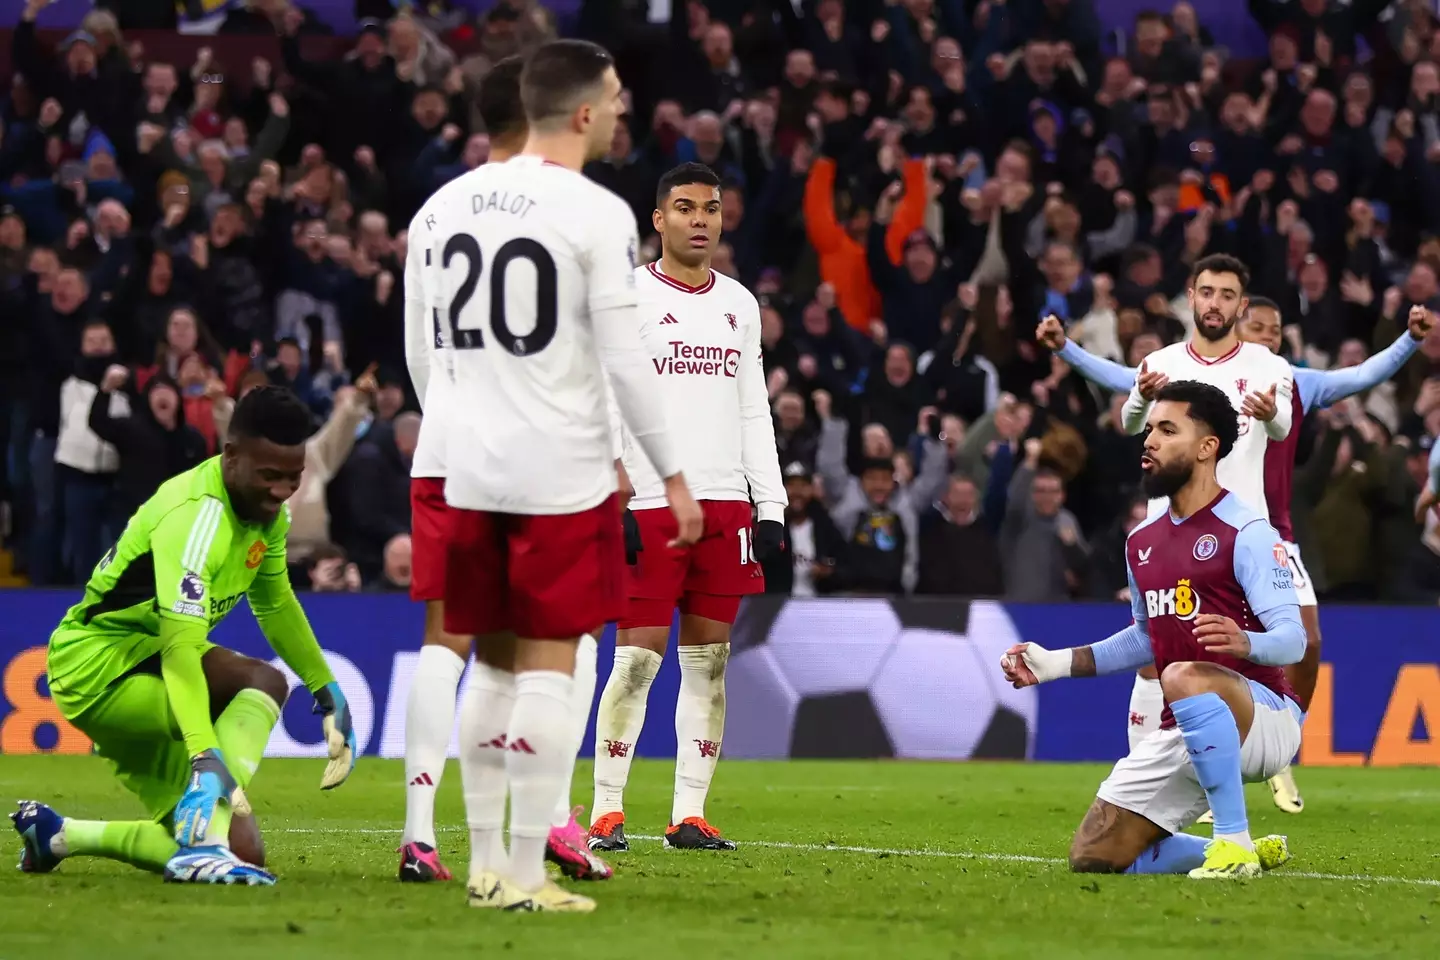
{"x":434,"y":686}
{"x":702,"y":332}
{"x":1258,"y":384}
{"x":533,"y":268}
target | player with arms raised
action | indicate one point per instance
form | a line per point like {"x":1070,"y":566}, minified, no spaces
{"x":132,"y":667}
{"x":430,"y":712}
{"x":1314,"y":389}
{"x":1215,"y":614}
{"x":703,"y":333}
{"x":537,"y":287}
{"x":1257,"y":382}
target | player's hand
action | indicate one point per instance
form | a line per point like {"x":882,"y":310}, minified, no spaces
{"x":210,"y":784}
{"x":339,"y":734}
{"x":1221,"y":635}
{"x":1150,"y":382}
{"x":1421,"y":322}
{"x":688,"y":518}
{"x":769,"y":539}
{"x":1027,"y":664}
{"x":1051,"y":332}
{"x":633,"y":543}
{"x":1260,"y":405}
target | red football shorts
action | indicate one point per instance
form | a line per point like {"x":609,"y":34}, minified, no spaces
{"x":429,"y":521}
{"x":543,"y":577}
{"x":707,"y":579}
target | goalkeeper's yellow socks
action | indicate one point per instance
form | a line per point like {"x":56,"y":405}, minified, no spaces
{"x":243,"y":731}
{"x":140,"y":843}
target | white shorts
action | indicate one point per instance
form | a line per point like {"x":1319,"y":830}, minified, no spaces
{"x":1158,"y":782}
{"x":1300,"y":577}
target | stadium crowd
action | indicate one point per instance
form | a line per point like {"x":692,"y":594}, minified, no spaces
{"x":910,"y":186}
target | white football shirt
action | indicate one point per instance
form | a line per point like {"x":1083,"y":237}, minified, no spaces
{"x":426,"y":355}
{"x":704,"y":346}
{"x":534,"y":287}
{"x":1246,"y":369}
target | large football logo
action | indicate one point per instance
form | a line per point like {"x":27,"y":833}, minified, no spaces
{"x":874,"y":678}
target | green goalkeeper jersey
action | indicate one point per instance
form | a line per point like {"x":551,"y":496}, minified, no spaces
{"x":183,"y":563}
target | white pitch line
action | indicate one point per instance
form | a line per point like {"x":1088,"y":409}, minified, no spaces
{"x":934,"y":854}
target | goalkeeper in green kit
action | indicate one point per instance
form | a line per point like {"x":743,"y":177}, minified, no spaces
{"x":183,"y":721}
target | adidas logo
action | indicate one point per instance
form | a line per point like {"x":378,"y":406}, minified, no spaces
{"x":668,"y":318}
{"x":422,"y":781}
{"x":514,"y":746}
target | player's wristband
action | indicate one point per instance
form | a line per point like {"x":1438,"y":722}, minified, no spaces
{"x":1048,"y":665}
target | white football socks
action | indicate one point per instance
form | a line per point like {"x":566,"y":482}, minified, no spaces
{"x":581,"y":699}
{"x":1147,"y":702}
{"x":429,"y":718}
{"x":618,"y":724}
{"x":699,"y":726}
{"x":484,"y":720}
{"x":537,"y":765}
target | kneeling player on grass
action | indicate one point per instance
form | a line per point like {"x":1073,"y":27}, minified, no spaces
{"x":1200,"y":573}
{"x":131,"y":665}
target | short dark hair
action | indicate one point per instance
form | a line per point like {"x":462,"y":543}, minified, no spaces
{"x":683,"y":176}
{"x":1264,"y":303}
{"x":557,"y":75}
{"x":498,"y":99}
{"x":1221,"y":263}
{"x":1208,"y":406}
{"x":274,"y":414}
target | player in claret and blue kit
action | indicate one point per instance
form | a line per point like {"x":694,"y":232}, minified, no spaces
{"x":132,"y":667}
{"x":1215,"y":612}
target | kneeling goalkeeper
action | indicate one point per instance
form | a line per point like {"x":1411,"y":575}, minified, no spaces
{"x":183,"y":721}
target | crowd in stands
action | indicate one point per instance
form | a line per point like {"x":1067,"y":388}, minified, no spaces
{"x":910,"y":185}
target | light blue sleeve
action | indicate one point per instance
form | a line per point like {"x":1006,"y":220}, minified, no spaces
{"x":1332,"y":386}
{"x":1107,"y":373}
{"x":1270,"y":592}
{"x":1434,"y":485}
{"x":1129,"y":649}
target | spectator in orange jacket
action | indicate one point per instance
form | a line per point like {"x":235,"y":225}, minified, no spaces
{"x":841,"y":247}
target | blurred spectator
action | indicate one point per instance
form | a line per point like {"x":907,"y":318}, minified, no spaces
{"x":375,"y":487}
{"x":150,"y":434}
{"x":330,"y":571}
{"x":958,"y":553}
{"x":812,"y":561}
{"x":395,"y":573}
{"x":1037,"y":535}
{"x":85,"y":465}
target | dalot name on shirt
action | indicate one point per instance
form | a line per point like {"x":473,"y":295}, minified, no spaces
{"x":696,"y":360}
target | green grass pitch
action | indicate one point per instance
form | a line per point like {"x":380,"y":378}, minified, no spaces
{"x":870,"y":860}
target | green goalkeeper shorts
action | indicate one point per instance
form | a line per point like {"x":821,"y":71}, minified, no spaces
{"x":132,"y":727}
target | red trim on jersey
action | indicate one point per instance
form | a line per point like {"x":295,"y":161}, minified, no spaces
{"x":1210,"y":361}
{"x":705,"y":287}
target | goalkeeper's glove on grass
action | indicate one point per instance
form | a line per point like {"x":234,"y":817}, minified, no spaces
{"x":339,"y":734}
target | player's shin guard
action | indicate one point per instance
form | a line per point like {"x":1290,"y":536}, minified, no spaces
{"x":1178,"y":854}
{"x":484,"y":720}
{"x":429,"y":718}
{"x":243,"y":729}
{"x":618,"y":724}
{"x":699,"y":726}
{"x":581,"y":700}
{"x":1147,"y":702}
{"x":140,"y":843}
{"x":536,"y":764}
{"x":1213,"y":740}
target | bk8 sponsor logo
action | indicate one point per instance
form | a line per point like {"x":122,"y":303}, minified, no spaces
{"x":698,"y":360}
{"x":1180,"y":601}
